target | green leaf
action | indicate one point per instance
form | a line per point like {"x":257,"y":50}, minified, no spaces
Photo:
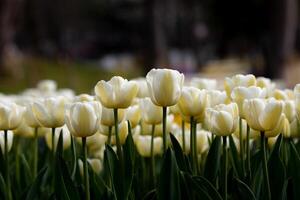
{"x":243,"y":191}
{"x":33,"y":192}
{"x":235,"y":159}
{"x":276,"y":171}
{"x":169,"y":185}
{"x":208,"y":187}
{"x":197,"y":190}
{"x":3,"y":188}
{"x":294,"y":170}
{"x":179,"y":154}
{"x":213,"y":160}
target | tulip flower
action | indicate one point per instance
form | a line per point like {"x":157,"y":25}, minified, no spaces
{"x":66,"y":138}
{"x":95,"y":164}
{"x":9,"y":141}
{"x":84,"y":97}
{"x":216,"y":97}
{"x":266,"y":83}
{"x":238,"y":80}
{"x":165,"y":87}
{"x":133,"y":115}
{"x":263,"y":115}
{"x":47,"y":86}
{"x":83,"y":120}
{"x":143,"y":87}
{"x":204,"y":83}
{"x":151,"y":113}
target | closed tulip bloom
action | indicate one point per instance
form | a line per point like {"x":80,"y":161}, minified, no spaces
{"x":202,"y":141}
{"x":262,"y":115}
{"x":11,"y":116}
{"x":10,"y":137}
{"x":253,"y":134}
{"x":107,"y":117}
{"x":84,"y":97}
{"x":297,"y":105}
{"x":279,"y":95}
{"x":165,"y":86}
{"x":286,"y":128}
{"x":278,"y":128}
{"x":83,"y":118}
{"x":289,"y":109}
{"x":96,"y":142}
{"x":238,"y":80}
{"x":133,"y":115}
{"x":151,"y":113}
{"x":143,"y":144}
{"x":193,"y":102}
{"x":65,"y":134}
{"x":204,"y":83}
{"x":47,"y":86}
{"x":223,"y":119}
{"x":266,"y":83}
{"x":49,"y":112}
{"x":146,"y":128}
{"x":117,"y":92}
{"x":216,"y":97}
{"x":123,"y":133}
{"x":29,"y":116}
{"x":95,"y":163}
{"x":239,"y":94}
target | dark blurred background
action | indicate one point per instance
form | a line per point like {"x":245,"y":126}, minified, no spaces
{"x":78,"y":42}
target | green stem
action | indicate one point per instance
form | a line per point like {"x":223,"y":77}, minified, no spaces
{"x":53,"y":143}
{"x":265,"y":167}
{"x":248,"y":151}
{"x":119,"y":147}
{"x":73,"y":144}
{"x":7,"y":177}
{"x":85,"y":168}
{"x":192,"y":143}
{"x":109,"y":135}
{"x":152,"y":155}
{"x":183,"y":135}
{"x":195,"y":145}
{"x":241,"y":146}
{"x":225,"y":165}
{"x":35,"y":153}
{"x":17,"y":143}
{"x":165,"y":129}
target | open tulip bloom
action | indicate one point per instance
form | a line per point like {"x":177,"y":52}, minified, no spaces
{"x":152,"y":138}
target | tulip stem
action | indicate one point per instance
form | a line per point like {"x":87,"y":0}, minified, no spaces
{"x":109,"y":135}
{"x":7,"y":178}
{"x":248,"y":151}
{"x":192,"y":142}
{"x":119,"y":148}
{"x":183,"y":135}
{"x":241,"y":145}
{"x":152,"y":155}
{"x":73,"y":145}
{"x":165,"y":129}
{"x":85,"y":168}
{"x":53,"y":143}
{"x":225,"y":165}
{"x":35,"y":153}
{"x":265,"y":167}
{"x":195,"y":145}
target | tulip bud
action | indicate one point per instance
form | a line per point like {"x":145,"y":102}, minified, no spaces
{"x":223,"y":119}
{"x":216,"y":97}
{"x":47,"y":86}
{"x":143,"y":87}
{"x":49,"y":112}
{"x":262,"y":115}
{"x":83,"y":118}
{"x":123,"y":133}
{"x":117,"y":92}
{"x":65,"y":134}
{"x":238,"y":80}
{"x":143,"y":145}
{"x":107,"y":117}
{"x":29,"y":116}
{"x":133,"y":115}
{"x":151,"y":114}
{"x":164,"y":86}
{"x":95,"y":164}
{"x":11,"y":116}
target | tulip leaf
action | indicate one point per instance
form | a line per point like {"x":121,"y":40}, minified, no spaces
{"x":208,"y":187}
{"x":243,"y":191}
{"x":3,"y":192}
{"x":257,"y":175}
{"x":213,"y":160}
{"x":294,"y":166}
{"x":33,"y":192}
{"x":186,"y":191}
{"x":179,"y":154}
{"x":129,"y":160}
{"x":169,"y":185}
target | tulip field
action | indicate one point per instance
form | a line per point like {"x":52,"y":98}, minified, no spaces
{"x":163,"y":136}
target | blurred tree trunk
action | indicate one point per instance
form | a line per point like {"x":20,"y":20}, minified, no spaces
{"x":8,"y":14}
{"x":283,"y":34}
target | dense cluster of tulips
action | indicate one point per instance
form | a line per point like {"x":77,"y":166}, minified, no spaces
{"x":159,"y":137}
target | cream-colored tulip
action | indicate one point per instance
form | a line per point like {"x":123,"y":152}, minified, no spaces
{"x":29,"y":117}
{"x":294,"y":127}
{"x":278,"y":128}
{"x":175,"y":109}
{"x":289,"y":109}
{"x":65,"y":135}
{"x":165,"y":86}
{"x":279,"y":95}
{"x":204,"y":83}
{"x":11,"y":116}
{"x":83,"y":118}
{"x":123,"y":133}
{"x":266,"y":83}
{"x":95,"y":164}
{"x":297,"y":105}
{"x":84,"y":97}
{"x":107,"y":117}
{"x":286,"y":128}
{"x":143,"y":87}
{"x":47,"y":86}
{"x":10,"y":137}
{"x":49,"y":112}
{"x":147,"y":128}
{"x":133,"y":114}
{"x":26,"y":131}
{"x":223,"y":119}
{"x":297,"y":89}
{"x":202,"y":141}
{"x":216,"y":97}
{"x":193,"y":102}
{"x":143,"y":144}
{"x":96,"y":142}
{"x":117,"y":92}
{"x":151,"y":113}
{"x":238,"y":80}
{"x":253,"y":134}
{"x":262,"y":115}
{"x":239,"y":94}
